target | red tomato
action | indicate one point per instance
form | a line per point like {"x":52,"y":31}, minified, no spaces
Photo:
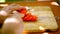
{"x":23,"y":10}
{"x":34,"y":18}
{"x":27,"y":17}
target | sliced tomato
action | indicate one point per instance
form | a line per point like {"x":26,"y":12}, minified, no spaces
{"x":22,"y":10}
{"x":27,"y":17}
{"x":30,"y":17}
{"x":34,"y":18}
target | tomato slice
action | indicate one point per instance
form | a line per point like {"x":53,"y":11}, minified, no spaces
{"x":34,"y":18}
{"x":22,"y":10}
{"x":27,"y":17}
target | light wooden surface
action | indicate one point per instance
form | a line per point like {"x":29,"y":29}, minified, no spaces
{"x":45,"y":19}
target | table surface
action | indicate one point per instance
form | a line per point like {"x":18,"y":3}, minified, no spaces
{"x":54,"y":8}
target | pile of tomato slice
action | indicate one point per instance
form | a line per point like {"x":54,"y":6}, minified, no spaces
{"x":27,"y":16}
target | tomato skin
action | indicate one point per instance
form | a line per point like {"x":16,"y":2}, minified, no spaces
{"x":34,"y":18}
{"x":22,"y":10}
{"x":29,"y":17}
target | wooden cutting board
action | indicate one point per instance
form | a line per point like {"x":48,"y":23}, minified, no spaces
{"x":46,"y":20}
